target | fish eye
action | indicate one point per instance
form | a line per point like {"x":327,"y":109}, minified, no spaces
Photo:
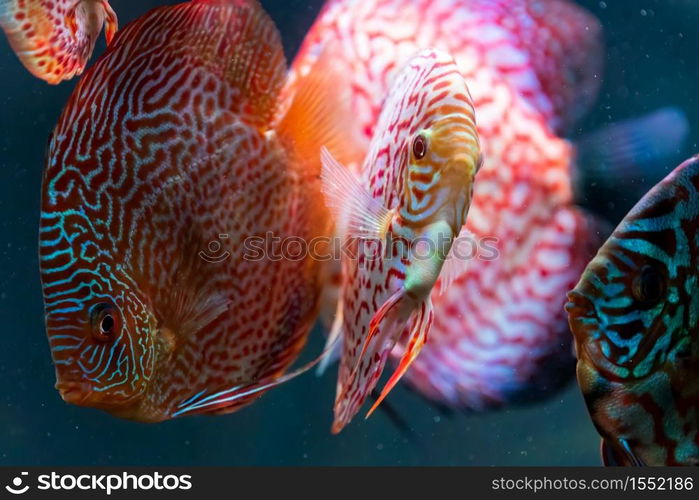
{"x":649,"y":286}
{"x":104,"y":320}
{"x":419,"y":146}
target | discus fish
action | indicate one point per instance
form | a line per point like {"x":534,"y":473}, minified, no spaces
{"x":416,"y":187}
{"x":54,"y":38}
{"x":168,"y":158}
{"x":533,"y":67}
{"x":635,"y":318}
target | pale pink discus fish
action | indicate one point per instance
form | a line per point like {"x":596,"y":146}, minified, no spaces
{"x":415,"y":189}
{"x":533,"y":68}
{"x":54,"y":38}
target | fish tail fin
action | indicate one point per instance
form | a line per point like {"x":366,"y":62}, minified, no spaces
{"x":631,"y":153}
{"x":314,"y":112}
{"x":420,"y":325}
{"x":385,"y":328}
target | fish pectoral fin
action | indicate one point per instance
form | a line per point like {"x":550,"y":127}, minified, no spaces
{"x":111,"y":22}
{"x":421,"y":321}
{"x":355,"y":211}
{"x":227,"y":400}
{"x":333,"y":340}
{"x":457,"y":261}
{"x":199,"y":311}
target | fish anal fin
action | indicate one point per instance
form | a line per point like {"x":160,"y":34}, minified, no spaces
{"x":355,"y":211}
{"x":230,"y":399}
{"x":334,"y":338}
{"x":421,"y":322}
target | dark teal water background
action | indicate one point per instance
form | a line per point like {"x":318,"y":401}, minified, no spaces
{"x":652,"y":61}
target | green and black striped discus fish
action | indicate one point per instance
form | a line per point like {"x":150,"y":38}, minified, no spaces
{"x":635,"y":317}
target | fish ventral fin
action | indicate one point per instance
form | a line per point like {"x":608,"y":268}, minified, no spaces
{"x":355,"y":211}
{"x":420,"y":323}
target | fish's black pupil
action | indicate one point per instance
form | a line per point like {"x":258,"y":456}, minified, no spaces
{"x":649,"y":286}
{"x":107,"y":324}
{"x":419,"y":147}
{"x":104,"y":322}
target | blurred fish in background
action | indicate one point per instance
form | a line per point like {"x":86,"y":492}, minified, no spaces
{"x":54,"y":39}
{"x":534,"y":68}
{"x":168,"y":157}
{"x":635,"y":317}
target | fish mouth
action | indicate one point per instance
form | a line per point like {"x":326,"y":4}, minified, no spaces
{"x":74,"y":392}
{"x":82,"y":394}
{"x":584,"y":323}
{"x":579,"y":305}
{"x":582,"y":315}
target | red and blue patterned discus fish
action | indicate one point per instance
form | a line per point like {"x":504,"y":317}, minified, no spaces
{"x":499,"y":331}
{"x":635,"y":317}
{"x":54,"y":38}
{"x":402,"y":218}
{"x":168,"y":158}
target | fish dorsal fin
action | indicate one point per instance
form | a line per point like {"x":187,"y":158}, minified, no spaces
{"x":235,"y":41}
{"x":314,"y":113}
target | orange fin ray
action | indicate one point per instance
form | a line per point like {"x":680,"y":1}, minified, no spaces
{"x":386,"y":324}
{"x":421,"y":323}
{"x":313,"y":113}
{"x":380,"y":317}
